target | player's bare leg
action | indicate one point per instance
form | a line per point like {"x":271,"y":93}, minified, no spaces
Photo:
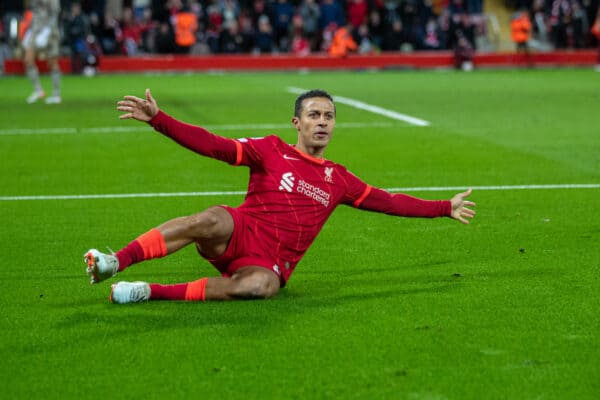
{"x":247,"y":283}
{"x":210,"y":230}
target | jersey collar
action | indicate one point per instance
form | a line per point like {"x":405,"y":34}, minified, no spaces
{"x":308,"y":156}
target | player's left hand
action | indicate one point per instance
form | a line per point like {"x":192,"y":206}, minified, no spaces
{"x":460,"y":212}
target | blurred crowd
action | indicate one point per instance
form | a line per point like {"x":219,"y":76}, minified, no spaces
{"x":560,"y":23}
{"x":266,"y":26}
{"x":134,"y":27}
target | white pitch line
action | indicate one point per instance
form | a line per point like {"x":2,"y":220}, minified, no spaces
{"x":142,"y":128}
{"x":369,"y":107}
{"x":499,"y":187}
{"x":119,"y":196}
{"x":241,"y":193}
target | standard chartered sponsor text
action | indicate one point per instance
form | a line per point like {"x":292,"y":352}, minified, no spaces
{"x":313,"y":192}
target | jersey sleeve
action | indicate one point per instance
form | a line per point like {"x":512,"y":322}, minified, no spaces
{"x":248,"y":152}
{"x":366,"y":197}
{"x":403,"y":205}
{"x":253,"y":150}
{"x":198,"y":139}
{"x":356,"y":190}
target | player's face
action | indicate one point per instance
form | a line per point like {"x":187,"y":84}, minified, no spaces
{"x":315,"y":124}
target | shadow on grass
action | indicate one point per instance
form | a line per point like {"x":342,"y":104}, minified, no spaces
{"x":366,"y":296}
{"x":181,"y":314}
{"x":388,"y":267}
{"x":81,"y":324}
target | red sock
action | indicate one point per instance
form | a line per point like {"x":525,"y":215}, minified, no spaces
{"x":130,"y":254}
{"x":147,"y":246}
{"x":168,"y":292}
{"x":192,"y":291}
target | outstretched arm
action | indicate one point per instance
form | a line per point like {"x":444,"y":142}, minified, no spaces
{"x":408,"y":206}
{"x":460,"y":212}
{"x":192,"y":137}
{"x":141,"y":109}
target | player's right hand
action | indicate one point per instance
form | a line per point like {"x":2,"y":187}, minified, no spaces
{"x":136,"y":108}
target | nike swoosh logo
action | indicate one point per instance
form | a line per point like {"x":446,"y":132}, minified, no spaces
{"x":290,"y":158}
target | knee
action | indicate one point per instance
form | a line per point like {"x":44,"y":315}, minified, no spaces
{"x":255,"y":286}
{"x":202,"y":225}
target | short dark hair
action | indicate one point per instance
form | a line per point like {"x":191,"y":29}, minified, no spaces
{"x":309,"y":95}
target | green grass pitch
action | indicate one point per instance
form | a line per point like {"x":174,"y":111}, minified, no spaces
{"x":380,"y":307}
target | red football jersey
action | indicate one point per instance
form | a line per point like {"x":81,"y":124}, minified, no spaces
{"x":291,"y":194}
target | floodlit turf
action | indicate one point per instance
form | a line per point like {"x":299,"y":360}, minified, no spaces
{"x":379,"y":308}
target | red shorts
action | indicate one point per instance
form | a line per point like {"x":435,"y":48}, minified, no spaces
{"x":246,"y":248}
